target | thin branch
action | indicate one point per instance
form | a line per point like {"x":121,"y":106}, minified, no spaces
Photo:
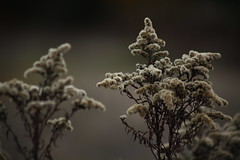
{"x":21,"y":149}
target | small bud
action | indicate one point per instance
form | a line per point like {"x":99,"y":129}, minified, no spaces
{"x":122,"y":117}
{"x":148,"y":22}
{"x":64,"y":48}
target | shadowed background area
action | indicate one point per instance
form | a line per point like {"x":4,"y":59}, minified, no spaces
{"x":100,"y":32}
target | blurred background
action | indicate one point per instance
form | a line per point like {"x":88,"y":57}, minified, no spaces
{"x":100,"y":32}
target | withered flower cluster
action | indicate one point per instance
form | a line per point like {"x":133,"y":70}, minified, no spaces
{"x":39,"y":106}
{"x":175,"y":98}
{"x":223,"y":143}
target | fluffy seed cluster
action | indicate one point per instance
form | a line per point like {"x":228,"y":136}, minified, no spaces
{"x":148,"y":44}
{"x":60,"y":122}
{"x":223,"y":143}
{"x":51,"y":64}
{"x":165,"y":82}
{"x":54,"y":87}
{"x":205,"y":119}
{"x":17,"y":90}
{"x":168,"y":93}
{"x":88,"y":103}
{"x":34,"y":106}
{"x":137,"y":108}
{"x":38,"y":104}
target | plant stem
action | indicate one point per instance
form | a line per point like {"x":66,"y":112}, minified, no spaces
{"x":36,"y":137}
{"x":15,"y":138}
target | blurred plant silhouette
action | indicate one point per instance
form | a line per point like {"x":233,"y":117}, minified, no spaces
{"x":39,"y":106}
{"x":221,"y":144}
{"x":175,"y":99}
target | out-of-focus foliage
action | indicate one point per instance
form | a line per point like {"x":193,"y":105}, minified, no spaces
{"x":38,"y":105}
{"x":222,"y":144}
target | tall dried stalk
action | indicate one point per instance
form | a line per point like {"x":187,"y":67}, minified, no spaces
{"x":174,"y":98}
{"x":38,"y":105}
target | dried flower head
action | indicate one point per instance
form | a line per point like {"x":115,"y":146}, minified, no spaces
{"x":88,"y":103}
{"x":60,"y":123}
{"x":223,"y":143}
{"x":170,"y":96}
{"x":137,"y":108}
{"x":38,"y":104}
{"x":51,"y":65}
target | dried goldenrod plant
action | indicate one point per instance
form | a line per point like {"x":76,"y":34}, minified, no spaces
{"x":39,"y":106}
{"x":175,"y":98}
{"x":223,"y":143}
